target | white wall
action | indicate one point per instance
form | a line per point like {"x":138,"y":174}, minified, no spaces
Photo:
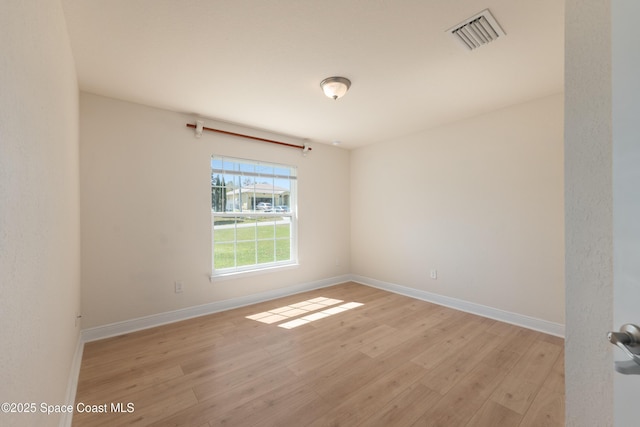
{"x":39,"y":208}
{"x":588,"y":205}
{"x":146,"y":211}
{"x":480,"y":200}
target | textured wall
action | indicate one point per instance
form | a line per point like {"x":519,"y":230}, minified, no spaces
{"x":588,"y":211}
{"x":39,"y":207}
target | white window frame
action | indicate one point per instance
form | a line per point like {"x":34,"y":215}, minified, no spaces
{"x":235,"y":209}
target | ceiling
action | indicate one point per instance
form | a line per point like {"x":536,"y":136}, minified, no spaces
{"x":259,"y":63}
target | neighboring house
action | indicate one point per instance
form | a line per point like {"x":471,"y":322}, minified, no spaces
{"x":248,"y":197}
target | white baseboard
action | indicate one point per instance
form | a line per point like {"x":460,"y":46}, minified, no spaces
{"x":72,"y":385}
{"x":540,"y":325}
{"x":127,"y":326}
{"x":154,"y":320}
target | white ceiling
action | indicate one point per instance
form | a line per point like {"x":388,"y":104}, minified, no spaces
{"x":259,"y":63}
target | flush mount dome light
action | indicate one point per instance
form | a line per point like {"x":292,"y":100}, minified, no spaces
{"x":335,"y":87}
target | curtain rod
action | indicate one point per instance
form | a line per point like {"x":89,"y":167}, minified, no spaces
{"x":199,"y":128}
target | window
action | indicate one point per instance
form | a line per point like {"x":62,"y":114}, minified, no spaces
{"x":253,"y":209}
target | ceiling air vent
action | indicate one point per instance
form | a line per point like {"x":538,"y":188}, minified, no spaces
{"x":478,"y":30}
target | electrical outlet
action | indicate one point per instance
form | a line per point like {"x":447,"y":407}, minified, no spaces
{"x":178,"y":287}
{"x":434,"y":274}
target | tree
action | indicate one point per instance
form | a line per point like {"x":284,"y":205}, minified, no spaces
{"x":218,"y":194}
{"x":224,"y":195}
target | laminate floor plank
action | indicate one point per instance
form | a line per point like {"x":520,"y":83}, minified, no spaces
{"x":273,"y":409}
{"x":520,"y":388}
{"x":372,"y":396}
{"x":318,"y":359}
{"x":337,"y":384}
{"x":547,"y":409}
{"x":445,"y":375}
{"x":460,"y":404}
{"x":492,"y":414}
{"x":404,"y":409}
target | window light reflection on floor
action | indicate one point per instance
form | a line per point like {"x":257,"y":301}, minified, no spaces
{"x":316,"y":316}
{"x":294,"y":310}
{"x":298,"y":309}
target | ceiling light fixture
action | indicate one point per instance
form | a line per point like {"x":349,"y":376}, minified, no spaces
{"x":335,"y":87}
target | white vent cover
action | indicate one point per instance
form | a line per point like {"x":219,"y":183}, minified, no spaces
{"x":478,"y":30}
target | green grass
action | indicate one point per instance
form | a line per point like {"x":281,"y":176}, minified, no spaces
{"x":261,"y":244}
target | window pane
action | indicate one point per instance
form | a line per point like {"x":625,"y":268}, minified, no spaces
{"x":218,"y":196}
{"x":264,"y":170}
{"x":281,"y":171}
{"x":283,"y":184}
{"x":266,"y":228}
{"x":224,"y":255}
{"x":246,"y":229}
{"x":234,"y":199}
{"x":246,"y":167}
{"x":246,"y":253}
{"x":283,"y":249}
{"x":265,"y":251}
{"x":283,"y":230}
{"x":224,"y":229}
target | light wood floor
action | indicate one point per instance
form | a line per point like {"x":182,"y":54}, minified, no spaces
{"x":392,"y":361}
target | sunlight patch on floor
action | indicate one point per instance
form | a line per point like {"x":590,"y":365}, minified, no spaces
{"x":321,"y":315}
{"x":294,"y":310}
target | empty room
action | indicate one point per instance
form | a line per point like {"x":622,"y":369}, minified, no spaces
{"x":302,"y":213}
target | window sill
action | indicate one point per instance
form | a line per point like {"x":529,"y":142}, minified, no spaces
{"x":254,"y":272}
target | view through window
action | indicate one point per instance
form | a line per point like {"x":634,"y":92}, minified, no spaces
{"x":253,"y":207}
